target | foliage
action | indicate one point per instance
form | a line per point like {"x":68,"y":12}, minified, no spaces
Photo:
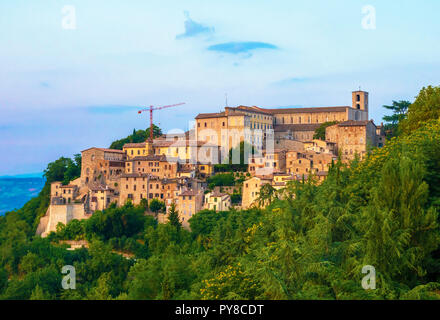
{"x":173,"y":216}
{"x":221,"y":180}
{"x":233,"y":164}
{"x":136,"y":137}
{"x":399,"y":109}
{"x":320,"y":132}
{"x":157,"y":206}
{"x":426,"y":107}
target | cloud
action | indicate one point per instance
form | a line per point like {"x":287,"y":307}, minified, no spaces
{"x":193,"y":28}
{"x":241,"y":47}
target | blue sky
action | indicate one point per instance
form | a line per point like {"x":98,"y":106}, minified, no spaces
{"x":64,"y":90}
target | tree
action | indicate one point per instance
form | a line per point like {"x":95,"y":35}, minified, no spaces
{"x":157,"y":206}
{"x":39,"y":294}
{"x":173,"y":216}
{"x":221,"y":180}
{"x":426,"y":107}
{"x":266,"y":196}
{"x":245,"y":150}
{"x":144,"y":203}
{"x":320,"y":132}
{"x":399,"y":108}
{"x":73,"y":170}
{"x":136,"y":137}
{"x":400,"y":229}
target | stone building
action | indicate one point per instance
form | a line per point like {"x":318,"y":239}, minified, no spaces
{"x":217,"y":201}
{"x":300,"y":166}
{"x":320,"y":146}
{"x":157,"y":165}
{"x":63,"y":194}
{"x":353,"y":137}
{"x":234,"y":125}
{"x":188,"y":203}
{"x":185,"y":151}
{"x":101,"y":196}
{"x":268,"y":162}
{"x":100,"y":165}
{"x":299,"y":132}
{"x":251,"y":190}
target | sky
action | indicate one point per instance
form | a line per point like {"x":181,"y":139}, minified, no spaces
{"x":73,"y":73}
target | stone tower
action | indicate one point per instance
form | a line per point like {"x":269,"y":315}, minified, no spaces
{"x":360,"y":100}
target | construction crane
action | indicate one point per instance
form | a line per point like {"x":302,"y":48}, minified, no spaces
{"x":153,"y":108}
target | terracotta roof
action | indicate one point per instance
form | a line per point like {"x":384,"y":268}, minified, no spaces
{"x":211,"y":115}
{"x":296,"y":127}
{"x":105,"y":150}
{"x":253,"y":109}
{"x":135,"y":145}
{"x":100,"y":187}
{"x":307,"y":110}
{"x":183,"y":143}
{"x":137,"y":175}
{"x":69,"y":186}
{"x":216,"y":193}
{"x":264,"y":177}
{"x":150,"y":158}
{"x":189,"y":193}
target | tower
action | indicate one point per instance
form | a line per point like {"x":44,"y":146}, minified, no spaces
{"x":360,"y":100}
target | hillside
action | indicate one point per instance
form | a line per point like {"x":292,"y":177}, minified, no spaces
{"x":381,"y":212}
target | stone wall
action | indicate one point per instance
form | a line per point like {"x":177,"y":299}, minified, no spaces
{"x":60,"y":213}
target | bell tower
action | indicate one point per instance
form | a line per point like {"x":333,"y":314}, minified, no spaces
{"x":360,"y":101}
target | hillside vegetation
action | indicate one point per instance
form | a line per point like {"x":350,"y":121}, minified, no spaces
{"x":383,"y":212}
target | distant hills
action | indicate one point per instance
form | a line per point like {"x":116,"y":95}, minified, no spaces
{"x":15,"y":191}
{"x":25,"y":175}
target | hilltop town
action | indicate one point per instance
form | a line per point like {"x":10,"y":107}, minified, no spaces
{"x":174,"y":168}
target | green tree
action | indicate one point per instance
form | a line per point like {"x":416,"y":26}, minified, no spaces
{"x":157,"y":206}
{"x":399,"y":109}
{"x":173,"y":216}
{"x":320,"y":132}
{"x":39,"y":294}
{"x":266,"y":195}
{"x":426,"y":107}
{"x":136,"y":137}
{"x":400,"y":229}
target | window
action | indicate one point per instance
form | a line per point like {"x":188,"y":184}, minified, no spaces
{"x":358,"y":97}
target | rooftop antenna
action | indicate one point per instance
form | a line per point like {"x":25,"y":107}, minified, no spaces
{"x":226,"y":100}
